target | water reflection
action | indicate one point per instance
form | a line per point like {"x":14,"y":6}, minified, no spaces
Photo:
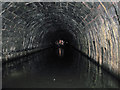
{"x":47,"y":69}
{"x":60,"y":52}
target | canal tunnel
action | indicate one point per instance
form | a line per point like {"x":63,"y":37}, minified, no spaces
{"x":91,"y":28}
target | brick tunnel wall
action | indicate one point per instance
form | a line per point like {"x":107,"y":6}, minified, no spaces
{"x":102,"y":37}
{"x":95,"y":27}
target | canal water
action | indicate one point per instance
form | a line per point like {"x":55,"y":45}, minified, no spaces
{"x":56,"y":68}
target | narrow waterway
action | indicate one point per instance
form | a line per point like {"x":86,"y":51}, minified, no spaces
{"x":56,"y":68}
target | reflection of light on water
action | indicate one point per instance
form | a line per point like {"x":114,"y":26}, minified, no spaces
{"x":61,"y":51}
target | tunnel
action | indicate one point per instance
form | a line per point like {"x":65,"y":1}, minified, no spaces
{"x":89,"y":58}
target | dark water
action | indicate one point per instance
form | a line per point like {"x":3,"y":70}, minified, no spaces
{"x":56,"y":68}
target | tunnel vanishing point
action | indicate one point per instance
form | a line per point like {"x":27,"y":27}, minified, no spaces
{"x":91,"y":27}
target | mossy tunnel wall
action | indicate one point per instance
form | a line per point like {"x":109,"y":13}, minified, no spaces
{"x":91,"y":27}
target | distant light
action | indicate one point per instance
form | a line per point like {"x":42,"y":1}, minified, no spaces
{"x":54,"y":79}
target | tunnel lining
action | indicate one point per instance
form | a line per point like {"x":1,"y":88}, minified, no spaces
{"x":103,"y":30}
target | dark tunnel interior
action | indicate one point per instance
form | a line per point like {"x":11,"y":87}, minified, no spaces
{"x":52,"y":37}
{"x":60,"y":44}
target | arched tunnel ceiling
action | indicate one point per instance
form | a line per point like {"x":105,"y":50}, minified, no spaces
{"x":32,"y":16}
{"x":93,"y":25}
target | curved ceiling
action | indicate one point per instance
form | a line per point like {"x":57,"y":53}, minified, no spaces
{"x":92,"y":27}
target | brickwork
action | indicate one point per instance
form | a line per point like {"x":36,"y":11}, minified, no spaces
{"x":94,"y":26}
